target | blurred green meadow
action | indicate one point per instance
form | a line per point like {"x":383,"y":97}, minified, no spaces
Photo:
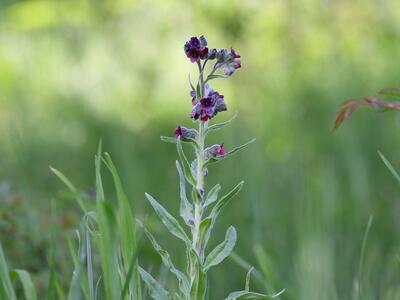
{"x":73,"y":72}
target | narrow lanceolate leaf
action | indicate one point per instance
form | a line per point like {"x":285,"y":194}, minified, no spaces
{"x":212,"y":195}
{"x":222,"y":251}
{"x":27,"y":284}
{"x":186,"y":208}
{"x":173,"y":140}
{"x":6,"y":287}
{"x":228,"y":154}
{"x":245,"y":295}
{"x":185,"y":164}
{"x":168,"y":220}
{"x":221,"y":125}
{"x":204,"y":228}
{"x":225,"y":200}
{"x":166,"y":259}
{"x":345,"y":111}
{"x":71,"y":187}
{"x":218,"y":207}
{"x":215,"y":76}
{"x":198,"y":287}
{"x":390,"y":167}
{"x":126,"y":228}
{"x":394,"y":92}
{"x":156,"y":290}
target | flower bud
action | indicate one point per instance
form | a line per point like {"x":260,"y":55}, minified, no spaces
{"x":184,"y":133}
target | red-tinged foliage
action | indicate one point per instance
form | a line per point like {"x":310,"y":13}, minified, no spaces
{"x":345,"y":112}
{"x":350,"y":106}
{"x":381,"y":105}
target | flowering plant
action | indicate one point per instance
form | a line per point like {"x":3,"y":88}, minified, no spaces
{"x":206,"y":104}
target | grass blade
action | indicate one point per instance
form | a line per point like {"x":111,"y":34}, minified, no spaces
{"x":27,"y":284}
{"x":7,"y":288}
{"x":390,"y":167}
{"x":127,"y":228}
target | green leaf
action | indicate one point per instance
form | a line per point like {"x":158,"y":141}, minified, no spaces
{"x":225,"y":200}
{"x":218,"y":207}
{"x":222,"y":251}
{"x":168,"y":220}
{"x":198,"y":288}
{"x":127,"y":228}
{"x":27,"y":284}
{"x":204,"y":228}
{"x":394,"y":92}
{"x":221,"y":125}
{"x":156,"y":290}
{"x":173,"y":140}
{"x":185,"y":164}
{"x":6,"y":287}
{"x":212,"y":195}
{"x":75,"y":290}
{"x":233,"y":151}
{"x":198,"y":91}
{"x":71,"y":187}
{"x":248,"y":277}
{"x":166,"y":259}
{"x":215,"y":76}
{"x":186,"y":208}
{"x":245,"y":295}
{"x":390,"y":167}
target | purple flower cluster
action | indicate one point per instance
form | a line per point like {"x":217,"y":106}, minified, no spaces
{"x":228,"y":61}
{"x":196,"y":49}
{"x":209,"y":106}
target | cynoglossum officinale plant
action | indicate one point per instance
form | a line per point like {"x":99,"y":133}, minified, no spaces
{"x":200,"y":211}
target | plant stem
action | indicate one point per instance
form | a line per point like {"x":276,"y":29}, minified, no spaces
{"x":199,"y":190}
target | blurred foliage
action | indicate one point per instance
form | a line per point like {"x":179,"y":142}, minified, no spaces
{"x":75,"y":71}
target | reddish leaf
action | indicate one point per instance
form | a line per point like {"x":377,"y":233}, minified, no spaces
{"x":381,"y":105}
{"x":345,"y":112}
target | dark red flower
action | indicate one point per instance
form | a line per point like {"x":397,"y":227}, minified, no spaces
{"x":208,"y":106}
{"x":196,"y":48}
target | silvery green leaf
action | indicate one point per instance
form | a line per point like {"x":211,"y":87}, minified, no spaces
{"x":245,"y":295}
{"x":225,"y":199}
{"x":204,"y":228}
{"x":198,"y":287}
{"x":185,"y":164}
{"x":169,"y":221}
{"x":186,"y":208}
{"x":217,"y":209}
{"x":248,"y":277}
{"x":156,"y":290}
{"x":222,"y":251}
{"x":198,"y":91}
{"x":216,"y":159}
{"x":173,"y":140}
{"x":212,"y":195}
{"x":215,"y":76}
{"x":166,"y":259}
{"x":222,"y":124}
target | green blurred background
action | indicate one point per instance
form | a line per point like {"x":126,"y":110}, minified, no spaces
{"x":73,"y":72}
